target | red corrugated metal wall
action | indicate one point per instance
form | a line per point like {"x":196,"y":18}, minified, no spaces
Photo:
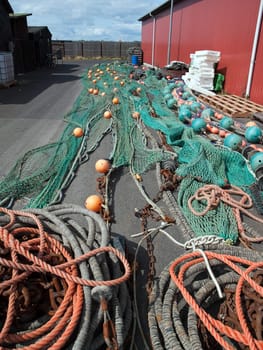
{"x":161,"y":39}
{"x":257,"y":80}
{"x":225,"y":26}
{"x":147,"y":35}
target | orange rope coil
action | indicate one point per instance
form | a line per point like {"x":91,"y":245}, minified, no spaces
{"x":215,"y":327}
{"x":32,"y":257}
{"x":185,"y":297}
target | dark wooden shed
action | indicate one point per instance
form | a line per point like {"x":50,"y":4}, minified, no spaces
{"x":41,"y":38}
{"x":5,"y":25}
{"x":24,"y":55}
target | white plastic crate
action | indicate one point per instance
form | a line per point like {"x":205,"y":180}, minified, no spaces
{"x":212,"y":53}
{"x":203,"y":81}
{"x":202,"y":72}
{"x":6,"y":67}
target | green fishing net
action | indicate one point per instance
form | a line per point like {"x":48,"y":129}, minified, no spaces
{"x":40,"y":176}
{"x":202,"y":163}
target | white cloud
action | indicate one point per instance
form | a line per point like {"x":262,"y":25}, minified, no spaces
{"x":88,"y":19}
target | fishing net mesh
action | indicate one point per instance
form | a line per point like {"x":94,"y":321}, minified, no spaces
{"x":41,"y":174}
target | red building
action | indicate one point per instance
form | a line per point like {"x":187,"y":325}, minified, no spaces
{"x":177,"y":28}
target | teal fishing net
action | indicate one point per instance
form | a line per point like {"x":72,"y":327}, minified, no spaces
{"x":40,"y":176}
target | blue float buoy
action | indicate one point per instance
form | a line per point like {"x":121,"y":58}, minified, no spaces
{"x":195,"y":106}
{"x":253,"y":134}
{"x":184,"y":114}
{"x":226,"y":123}
{"x":233,"y":141}
{"x":207,"y":112}
{"x":171,"y":102}
{"x":198,"y":124}
{"x":186,"y":95}
{"x":256,"y":160}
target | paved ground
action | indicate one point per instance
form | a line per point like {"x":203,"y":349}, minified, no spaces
{"x":31,"y":113}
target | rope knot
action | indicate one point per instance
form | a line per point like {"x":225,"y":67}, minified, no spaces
{"x":234,"y":197}
{"x":212,"y":195}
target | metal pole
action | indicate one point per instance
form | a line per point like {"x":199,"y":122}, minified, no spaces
{"x":170,"y":32}
{"x":254,"y":49}
{"x":153,"y":37}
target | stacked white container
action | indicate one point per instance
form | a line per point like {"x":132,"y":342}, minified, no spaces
{"x":202,"y":69}
{"x":6,"y":67}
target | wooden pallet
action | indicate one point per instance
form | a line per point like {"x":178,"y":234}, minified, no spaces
{"x":231,"y":105}
{"x":8,"y":84}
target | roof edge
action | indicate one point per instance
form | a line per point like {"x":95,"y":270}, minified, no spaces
{"x":15,"y":15}
{"x":155,"y":11}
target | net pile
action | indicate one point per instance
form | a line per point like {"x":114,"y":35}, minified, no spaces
{"x":41,"y":175}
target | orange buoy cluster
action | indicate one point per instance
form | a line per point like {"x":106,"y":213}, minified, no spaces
{"x":94,"y":202}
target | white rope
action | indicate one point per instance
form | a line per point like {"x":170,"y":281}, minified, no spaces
{"x":192,"y":244}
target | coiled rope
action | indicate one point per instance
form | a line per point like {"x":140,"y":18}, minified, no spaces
{"x":183,"y":292}
{"x":85,"y":317}
{"x":212,"y":195}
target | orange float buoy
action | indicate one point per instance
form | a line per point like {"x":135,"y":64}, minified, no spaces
{"x":243,"y":143}
{"x":214,"y":130}
{"x":102,"y":166}
{"x":222,"y":133}
{"x":93,"y":203}
{"x":251,"y":123}
{"x":95,"y":92}
{"x":209,"y":127}
{"x":107,"y":114}
{"x":136,"y":115}
{"x":115,"y":100}
{"x":78,"y":132}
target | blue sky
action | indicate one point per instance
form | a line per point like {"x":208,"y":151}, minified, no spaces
{"x":88,"y":19}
